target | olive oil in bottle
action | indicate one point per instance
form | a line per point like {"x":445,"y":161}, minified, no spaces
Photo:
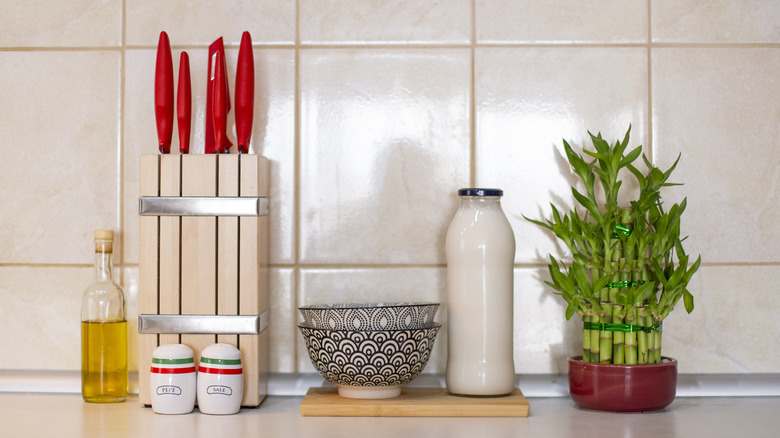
{"x":104,"y":330}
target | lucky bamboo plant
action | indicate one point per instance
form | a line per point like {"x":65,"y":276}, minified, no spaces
{"x":628,"y":266}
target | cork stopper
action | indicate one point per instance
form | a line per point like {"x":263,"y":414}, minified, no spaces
{"x":104,"y":241}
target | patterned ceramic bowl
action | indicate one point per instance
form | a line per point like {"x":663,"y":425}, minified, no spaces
{"x":371,"y":316}
{"x":369,"y":364}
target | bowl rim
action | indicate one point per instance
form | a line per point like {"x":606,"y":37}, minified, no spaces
{"x":427,"y":326}
{"x":371,"y":305}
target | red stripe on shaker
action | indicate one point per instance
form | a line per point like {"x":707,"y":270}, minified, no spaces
{"x":173,"y":370}
{"x":207,"y":370}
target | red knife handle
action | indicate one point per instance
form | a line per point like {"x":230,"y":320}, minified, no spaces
{"x":219,"y":109}
{"x":163,"y":93}
{"x":245,"y":92}
{"x":184,"y":103}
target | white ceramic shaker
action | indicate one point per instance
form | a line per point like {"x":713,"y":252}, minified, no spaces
{"x":172,"y":379}
{"x":480,"y":251}
{"x":220,"y":380}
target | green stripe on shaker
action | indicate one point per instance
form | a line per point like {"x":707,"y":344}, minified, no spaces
{"x":172,"y":361}
{"x":220,"y":361}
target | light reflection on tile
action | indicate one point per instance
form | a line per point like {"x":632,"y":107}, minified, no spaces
{"x":718,"y":107}
{"x":528,"y":101}
{"x":384,"y":146}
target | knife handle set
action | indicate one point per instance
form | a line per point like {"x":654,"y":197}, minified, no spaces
{"x":203,"y":272}
{"x":217,"y":97}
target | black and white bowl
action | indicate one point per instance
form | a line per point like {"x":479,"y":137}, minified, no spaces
{"x":369,"y":316}
{"x":369,"y":364}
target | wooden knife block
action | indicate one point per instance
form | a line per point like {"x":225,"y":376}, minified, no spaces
{"x":205,"y":264}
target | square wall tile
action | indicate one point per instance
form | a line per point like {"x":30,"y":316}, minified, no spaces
{"x":718,"y":21}
{"x":41,"y":314}
{"x":718,"y":108}
{"x":272,"y":131}
{"x":384,"y":148}
{"x":72,"y":23}
{"x":283,"y":319}
{"x":370,"y":285}
{"x":561,"y":21}
{"x":385,"y":21}
{"x":201,"y":23}
{"x":543,"y":338}
{"x":733,"y":326}
{"x":527,"y":101}
{"x":60,"y":149}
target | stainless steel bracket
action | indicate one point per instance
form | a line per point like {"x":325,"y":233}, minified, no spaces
{"x":203,"y":324}
{"x":202,"y":206}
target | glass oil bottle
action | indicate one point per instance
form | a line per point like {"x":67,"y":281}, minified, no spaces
{"x":104,"y":330}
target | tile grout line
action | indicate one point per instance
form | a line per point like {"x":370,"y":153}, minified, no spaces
{"x":472,"y":99}
{"x":650,"y":118}
{"x":121,"y":142}
{"x":296,"y":180}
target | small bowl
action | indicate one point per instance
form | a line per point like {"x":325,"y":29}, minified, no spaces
{"x":369,"y":364}
{"x":369,"y":316}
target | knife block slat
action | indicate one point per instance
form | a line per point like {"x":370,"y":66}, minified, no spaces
{"x":211,"y":260}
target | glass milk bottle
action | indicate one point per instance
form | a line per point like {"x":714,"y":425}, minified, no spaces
{"x":103,"y":330}
{"x":480,"y":249}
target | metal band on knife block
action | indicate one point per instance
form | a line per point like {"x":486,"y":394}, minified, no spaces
{"x":203,"y":324}
{"x":202,"y":206}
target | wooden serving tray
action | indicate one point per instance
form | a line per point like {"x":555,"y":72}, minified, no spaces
{"x":413,"y":402}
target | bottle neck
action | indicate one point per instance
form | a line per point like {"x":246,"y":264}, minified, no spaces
{"x":104,"y":266}
{"x":480,"y":201}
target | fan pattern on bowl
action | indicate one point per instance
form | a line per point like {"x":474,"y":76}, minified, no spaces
{"x":369,"y":358}
{"x":370,"y":316}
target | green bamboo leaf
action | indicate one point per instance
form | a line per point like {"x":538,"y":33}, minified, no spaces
{"x":688,"y":301}
{"x":588,"y":204}
{"x":631,"y":157}
{"x":643,"y":292}
{"x":571,"y":309}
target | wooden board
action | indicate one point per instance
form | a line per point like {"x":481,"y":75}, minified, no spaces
{"x":413,"y":402}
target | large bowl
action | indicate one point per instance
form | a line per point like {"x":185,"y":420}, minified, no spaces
{"x":369,"y":316}
{"x":369,"y":364}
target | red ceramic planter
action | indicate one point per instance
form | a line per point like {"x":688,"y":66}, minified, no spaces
{"x":622,"y":388}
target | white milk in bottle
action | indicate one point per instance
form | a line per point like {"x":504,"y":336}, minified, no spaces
{"x":480,"y":251}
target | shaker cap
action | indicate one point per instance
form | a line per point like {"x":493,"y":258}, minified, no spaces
{"x":480,"y":192}
{"x":172,"y":351}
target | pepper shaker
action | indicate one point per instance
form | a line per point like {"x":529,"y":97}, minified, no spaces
{"x":172,"y":379}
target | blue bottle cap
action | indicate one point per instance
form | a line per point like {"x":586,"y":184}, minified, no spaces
{"x":480,"y":192}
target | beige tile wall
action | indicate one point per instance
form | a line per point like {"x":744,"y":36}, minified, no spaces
{"x":373,"y":114}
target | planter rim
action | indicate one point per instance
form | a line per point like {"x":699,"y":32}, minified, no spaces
{"x":665,"y":362}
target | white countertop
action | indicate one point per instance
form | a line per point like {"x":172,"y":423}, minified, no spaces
{"x":66,"y":415}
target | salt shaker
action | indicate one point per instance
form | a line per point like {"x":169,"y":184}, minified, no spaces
{"x":480,"y":249}
{"x":220,"y":380}
{"x":172,"y":379}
